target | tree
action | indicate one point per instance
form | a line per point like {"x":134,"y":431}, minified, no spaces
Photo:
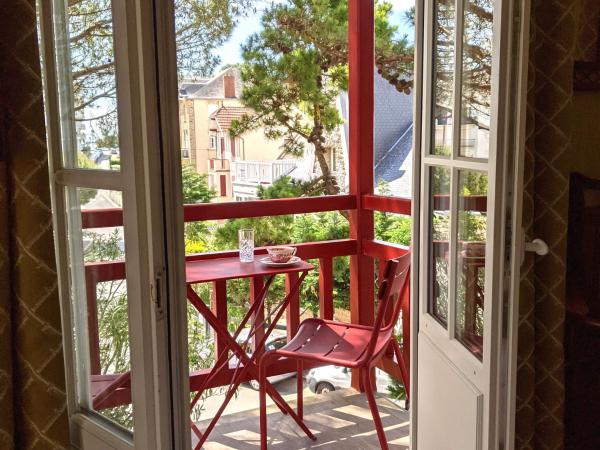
{"x":195,"y":186}
{"x":295,"y":68}
{"x":108,"y":132}
{"x":476,"y":57}
{"x":201,"y":26}
{"x":195,"y":190}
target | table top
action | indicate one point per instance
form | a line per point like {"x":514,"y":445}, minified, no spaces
{"x":218,"y":269}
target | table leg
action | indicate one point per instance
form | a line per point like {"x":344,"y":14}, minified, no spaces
{"x":223,"y":357}
{"x":292,"y":315}
{"x":218,"y":304}
{"x":257,"y":295}
{"x":249,"y":362}
{"x":232,"y":344}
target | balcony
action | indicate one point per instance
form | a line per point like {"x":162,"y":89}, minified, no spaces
{"x":347,"y":408}
{"x":218,"y":165}
{"x":262,"y":172}
{"x":114,"y":390}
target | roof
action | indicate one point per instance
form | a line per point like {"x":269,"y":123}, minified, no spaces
{"x":393,"y":133}
{"x":227,"y":114}
{"x":210,"y":87}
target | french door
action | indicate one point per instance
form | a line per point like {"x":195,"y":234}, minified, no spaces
{"x":105,"y":157}
{"x":467,"y":201}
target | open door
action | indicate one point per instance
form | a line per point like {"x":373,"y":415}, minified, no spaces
{"x":466,"y":198}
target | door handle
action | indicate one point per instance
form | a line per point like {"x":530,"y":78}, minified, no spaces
{"x":538,"y":246}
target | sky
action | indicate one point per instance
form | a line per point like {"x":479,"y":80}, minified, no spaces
{"x":230,"y":52}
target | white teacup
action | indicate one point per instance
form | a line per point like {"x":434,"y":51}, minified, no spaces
{"x":281,"y":254}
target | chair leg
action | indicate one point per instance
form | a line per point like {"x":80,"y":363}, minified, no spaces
{"x":403,"y":369}
{"x":368,"y":385}
{"x":262,"y":393}
{"x":299,"y":390}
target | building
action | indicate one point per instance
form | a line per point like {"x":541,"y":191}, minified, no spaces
{"x":236,"y":165}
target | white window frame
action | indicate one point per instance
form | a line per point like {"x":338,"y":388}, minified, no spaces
{"x":144,"y":229}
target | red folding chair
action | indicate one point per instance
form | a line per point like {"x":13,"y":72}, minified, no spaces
{"x":348,"y":345}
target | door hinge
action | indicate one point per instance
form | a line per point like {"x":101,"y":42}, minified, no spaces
{"x":157,"y":294}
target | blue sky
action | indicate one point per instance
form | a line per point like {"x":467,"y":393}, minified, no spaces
{"x":230,"y":52}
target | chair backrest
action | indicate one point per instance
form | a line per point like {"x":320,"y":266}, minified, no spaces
{"x":393,"y":292}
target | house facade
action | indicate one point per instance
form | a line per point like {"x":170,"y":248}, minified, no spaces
{"x":207,"y":108}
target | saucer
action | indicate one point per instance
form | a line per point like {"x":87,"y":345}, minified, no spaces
{"x":267,"y":262}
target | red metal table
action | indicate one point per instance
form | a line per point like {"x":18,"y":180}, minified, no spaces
{"x":217,"y":272}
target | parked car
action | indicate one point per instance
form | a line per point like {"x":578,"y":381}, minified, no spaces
{"x":276,"y":340}
{"x":322,"y":380}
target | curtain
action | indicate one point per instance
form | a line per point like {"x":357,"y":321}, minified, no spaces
{"x":561,"y":32}
{"x":33,"y":408}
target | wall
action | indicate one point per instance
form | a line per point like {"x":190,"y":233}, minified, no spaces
{"x":586,"y":133}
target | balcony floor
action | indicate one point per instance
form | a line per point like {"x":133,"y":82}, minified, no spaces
{"x":340,"y":418}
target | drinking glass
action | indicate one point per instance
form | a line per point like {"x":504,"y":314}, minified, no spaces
{"x":246,"y":240}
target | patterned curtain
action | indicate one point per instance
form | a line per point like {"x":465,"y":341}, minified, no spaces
{"x":33,"y":411}
{"x":561,"y":32}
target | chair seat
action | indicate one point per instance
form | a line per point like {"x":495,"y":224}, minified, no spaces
{"x":334,"y":342}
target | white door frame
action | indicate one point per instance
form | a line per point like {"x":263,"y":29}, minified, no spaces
{"x":509,"y":103}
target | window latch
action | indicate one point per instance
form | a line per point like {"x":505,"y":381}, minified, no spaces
{"x":157,"y":294}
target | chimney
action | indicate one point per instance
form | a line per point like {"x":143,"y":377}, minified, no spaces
{"x":229,"y":86}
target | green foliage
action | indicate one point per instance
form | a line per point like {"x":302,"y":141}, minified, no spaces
{"x":196,"y":190}
{"x":195,"y":186}
{"x":115,"y":162}
{"x":284,"y":187}
{"x":85,"y":194}
{"x":297,"y":65}
{"x":393,"y":228}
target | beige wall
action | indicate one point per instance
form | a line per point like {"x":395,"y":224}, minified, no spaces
{"x":258,"y":148}
{"x":586,"y":133}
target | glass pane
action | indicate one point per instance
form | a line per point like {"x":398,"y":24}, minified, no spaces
{"x":88,"y":97}
{"x":443,"y":76}
{"x":470,"y":259}
{"x":439,"y":188}
{"x":393,"y":92}
{"x":476,"y":79}
{"x":100,"y":305}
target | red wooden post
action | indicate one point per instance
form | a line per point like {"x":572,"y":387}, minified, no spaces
{"x":256,"y":286}
{"x":361,"y":61}
{"x":218,"y":304}
{"x":292,"y":315}
{"x":326,"y":288}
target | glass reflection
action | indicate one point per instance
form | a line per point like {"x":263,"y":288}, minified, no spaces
{"x":100,"y":305}
{"x":439,"y":245}
{"x":476,"y":79}
{"x":85,"y":46}
{"x":443,"y":79}
{"x":470,"y":259}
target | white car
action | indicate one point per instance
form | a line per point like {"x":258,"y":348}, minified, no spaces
{"x":322,"y":380}
{"x":275,"y":341}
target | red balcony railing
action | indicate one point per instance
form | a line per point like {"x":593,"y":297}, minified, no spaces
{"x":324,"y":251}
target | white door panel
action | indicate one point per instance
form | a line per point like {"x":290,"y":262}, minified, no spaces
{"x":450,"y":413}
